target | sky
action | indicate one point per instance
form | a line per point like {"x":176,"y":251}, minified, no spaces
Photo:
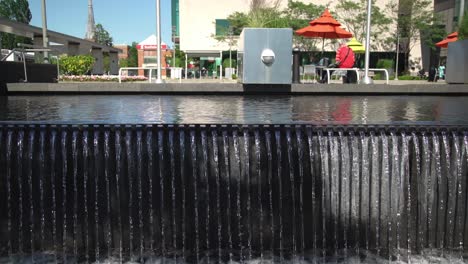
{"x":125,"y":20}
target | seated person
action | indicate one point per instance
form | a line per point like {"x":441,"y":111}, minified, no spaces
{"x":442,"y":72}
{"x":323,"y":62}
{"x":344,"y":59}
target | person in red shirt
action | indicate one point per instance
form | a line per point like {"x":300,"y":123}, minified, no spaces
{"x":344,"y":56}
{"x":344,"y":59}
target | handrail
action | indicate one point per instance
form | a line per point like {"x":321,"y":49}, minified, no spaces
{"x":136,"y":68}
{"x":8,"y":55}
{"x":24,"y":61}
{"x":32,"y":48}
{"x":384,"y":70}
{"x":341,"y":69}
{"x":357,"y":72}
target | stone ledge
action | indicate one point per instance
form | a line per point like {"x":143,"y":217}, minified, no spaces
{"x":202,"y":88}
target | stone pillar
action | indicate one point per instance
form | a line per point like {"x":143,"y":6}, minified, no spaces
{"x":140,"y":62}
{"x":98,"y":67}
{"x":114,"y":63}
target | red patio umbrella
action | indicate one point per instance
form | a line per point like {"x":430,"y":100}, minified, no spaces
{"x":325,"y":27}
{"x":450,"y":38}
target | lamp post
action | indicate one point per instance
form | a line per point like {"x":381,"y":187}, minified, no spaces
{"x":230,"y":50}
{"x":45,"y":40}
{"x":462,"y":11}
{"x":367,"y":79}
{"x":173,"y":42}
{"x":397,"y":54}
{"x":158,"y":28}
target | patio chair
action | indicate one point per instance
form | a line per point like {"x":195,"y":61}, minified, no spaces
{"x":309,"y":74}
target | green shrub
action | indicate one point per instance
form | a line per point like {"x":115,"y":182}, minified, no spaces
{"x":123,"y":63}
{"x":234,"y":76}
{"x":76,"y":65}
{"x":385,"y":64}
{"x":463,"y":30}
{"x":226,"y":63}
{"x":408,"y":78}
{"x":53,"y":60}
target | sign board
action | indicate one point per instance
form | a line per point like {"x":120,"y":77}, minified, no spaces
{"x":151,"y":47}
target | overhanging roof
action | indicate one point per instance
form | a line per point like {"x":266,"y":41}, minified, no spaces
{"x":203,"y":53}
{"x":29,"y":31}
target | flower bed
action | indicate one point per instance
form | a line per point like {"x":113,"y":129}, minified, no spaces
{"x":101,"y":78}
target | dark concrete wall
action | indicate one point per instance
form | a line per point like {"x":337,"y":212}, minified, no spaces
{"x":12,"y":72}
{"x":440,"y":5}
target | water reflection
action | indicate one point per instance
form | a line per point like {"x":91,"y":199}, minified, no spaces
{"x":215,"y":109}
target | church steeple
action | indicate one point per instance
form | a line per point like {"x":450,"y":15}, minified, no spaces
{"x":90,"y":29}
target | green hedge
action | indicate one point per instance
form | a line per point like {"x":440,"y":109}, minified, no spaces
{"x":408,"y":78}
{"x":385,"y":64}
{"x":76,"y":65}
{"x":226,"y":63}
{"x":463,"y":30}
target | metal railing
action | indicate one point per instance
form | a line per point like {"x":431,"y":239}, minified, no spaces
{"x":31,"y":48}
{"x":341,"y":69}
{"x":23,"y":58}
{"x":382,"y":70}
{"x":357,"y":72}
{"x":137,"y":68}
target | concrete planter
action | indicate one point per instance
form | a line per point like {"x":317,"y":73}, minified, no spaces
{"x":12,"y":72}
{"x":457,"y":62}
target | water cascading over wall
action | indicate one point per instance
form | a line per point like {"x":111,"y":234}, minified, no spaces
{"x":220,"y":193}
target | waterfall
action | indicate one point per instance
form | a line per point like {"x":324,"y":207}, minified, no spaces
{"x":118,"y":210}
{"x":193,"y":147}
{"x":75,"y":191}
{"x":219,"y":194}
{"x":85,"y":193}
{"x":184,"y":190}
{"x":227,"y":178}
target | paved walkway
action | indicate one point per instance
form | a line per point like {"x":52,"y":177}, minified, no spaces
{"x":391,"y":82}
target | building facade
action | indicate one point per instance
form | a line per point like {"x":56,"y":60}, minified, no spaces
{"x":195,"y":34}
{"x":451,"y":12}
{"x":125,"y":49}
{"x":147,"y":55}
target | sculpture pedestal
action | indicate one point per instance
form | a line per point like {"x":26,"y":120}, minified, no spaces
{"x":457,"y":62}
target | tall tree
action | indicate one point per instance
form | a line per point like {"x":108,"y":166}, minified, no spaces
{"x":298,"y":15}
{"x":265,"y":14}
{"x":133,"y":55}
{"x":463,"y":29}
{"x":416,"y":23}
{"x":237,"y":21}
{"x":132,"y":59}
{"x":262,"y":14}
{"x":16,"y":10}
{"x":102,"y":36}
{"x":352,"y":15}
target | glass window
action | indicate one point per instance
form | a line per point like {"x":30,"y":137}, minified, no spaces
{"x":222,"y":27}
{"x":150,"y":60}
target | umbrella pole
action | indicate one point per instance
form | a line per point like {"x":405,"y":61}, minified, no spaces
{"x":367,"y":79}
{"x":323,"y":45}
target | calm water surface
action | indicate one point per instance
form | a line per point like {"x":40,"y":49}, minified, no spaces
{"x":202,"y":109}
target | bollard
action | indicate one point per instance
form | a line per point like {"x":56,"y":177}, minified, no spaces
{"x":296,"y":64}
